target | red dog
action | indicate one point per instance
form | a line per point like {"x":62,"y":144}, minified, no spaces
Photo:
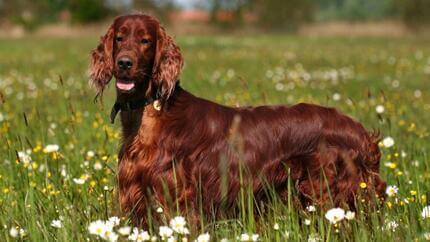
{"x":182,"y":150}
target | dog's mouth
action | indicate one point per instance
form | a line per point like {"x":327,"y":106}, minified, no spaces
{"x":125,"y":85}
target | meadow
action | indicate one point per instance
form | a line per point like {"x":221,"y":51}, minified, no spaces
{"x":58,"y":150}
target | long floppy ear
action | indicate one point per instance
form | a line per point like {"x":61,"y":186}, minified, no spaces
{"x":168,"y":64}
{"x":101,"y":66}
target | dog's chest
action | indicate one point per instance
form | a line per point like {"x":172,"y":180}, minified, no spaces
{"x":150,"y":127}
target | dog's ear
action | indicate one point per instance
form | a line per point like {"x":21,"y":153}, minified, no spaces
{"x":168,"y":64}
{"x":101,"y":65}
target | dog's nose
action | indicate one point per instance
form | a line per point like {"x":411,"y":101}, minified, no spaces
{"x":125,"y":63}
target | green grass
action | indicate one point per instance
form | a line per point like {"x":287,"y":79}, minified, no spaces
{"x":45,"y":99}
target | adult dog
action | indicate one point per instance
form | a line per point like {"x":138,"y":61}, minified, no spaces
{"x":197,"y":155}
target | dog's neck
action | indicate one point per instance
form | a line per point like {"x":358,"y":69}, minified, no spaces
{"x":143,"y":121}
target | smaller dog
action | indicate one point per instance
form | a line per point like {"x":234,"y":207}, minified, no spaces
{"x":182,"y":151}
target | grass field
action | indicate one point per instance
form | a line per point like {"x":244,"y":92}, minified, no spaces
{"x":45,"y":101}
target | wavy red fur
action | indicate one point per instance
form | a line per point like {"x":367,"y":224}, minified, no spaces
{"x":193,"y":152}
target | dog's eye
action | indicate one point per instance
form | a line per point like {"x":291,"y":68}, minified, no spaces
{"x":145,"y":41}
{"x":118,"y":39}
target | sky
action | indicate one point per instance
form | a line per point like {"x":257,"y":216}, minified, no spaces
{"x":187,"y":3}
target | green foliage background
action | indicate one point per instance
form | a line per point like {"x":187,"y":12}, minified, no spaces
{"x":286,"y":15}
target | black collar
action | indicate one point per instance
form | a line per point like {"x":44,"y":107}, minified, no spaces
{"x":129,"y":106}
{"x":135,"y":104}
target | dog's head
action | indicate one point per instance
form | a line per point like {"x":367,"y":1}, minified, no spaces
{"x":140,"y":55}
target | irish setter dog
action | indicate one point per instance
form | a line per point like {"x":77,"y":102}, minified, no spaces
{"x":182,"y":151}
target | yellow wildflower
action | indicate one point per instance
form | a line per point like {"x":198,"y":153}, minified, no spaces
{"x":389,"y":205}
{"x":37,"y":148}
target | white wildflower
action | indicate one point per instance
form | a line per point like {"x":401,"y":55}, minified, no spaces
{"x":24,"y":157}
{"x":307,"y":221}
{"x":56,"y":223}
{"x":380,"y":109}
{"x":165,"y":232}
{"x":335,"y":215}
{"x":42,"y":168}
{"x":98,"y":166}
{"x":171,"y":239}
{"x":114,"y":221}
{"x":111,"y":236}
{"x":313,"y":238}
{"x":426,"y":212}
{"x":336,"y":96}
{"x":63,"y":171}
{"x":350,"y":215}
{"x":124,"y":230}
{"x":276,"y":226}
{"x":178,"y":224}
{"x":22,"y":232}
{"x":311,"y":208}
{"x":139,"y":235}
{"x":203,"y":238}
{"x":79,"y":181}
{"x":245,"y":237}
{"x":417,"y":93}
{"x":391,"y":191}
{"x":100,"y":228}
{"x":392,"y":225}
{"x":230,"y":73}
{"x":51,"y":148}
{"x":13,"y":232}
{"x":133,"y":236}
{"x":91,"y":153}
{"x":388,"y":142}
{"x":159,"y":210}
{"x":249,"y":237}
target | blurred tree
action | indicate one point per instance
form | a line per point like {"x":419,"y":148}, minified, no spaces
{"x":270,"y":14}
{"x":354,"y":10}
{"x":281,"y":14}
{"x":215,"y":6}
{"x":84,"y":11}
{"x":415,"y":13}
{"x":160,"y":8}
{"x":30,"y":14}
{"x":227,"y":13}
